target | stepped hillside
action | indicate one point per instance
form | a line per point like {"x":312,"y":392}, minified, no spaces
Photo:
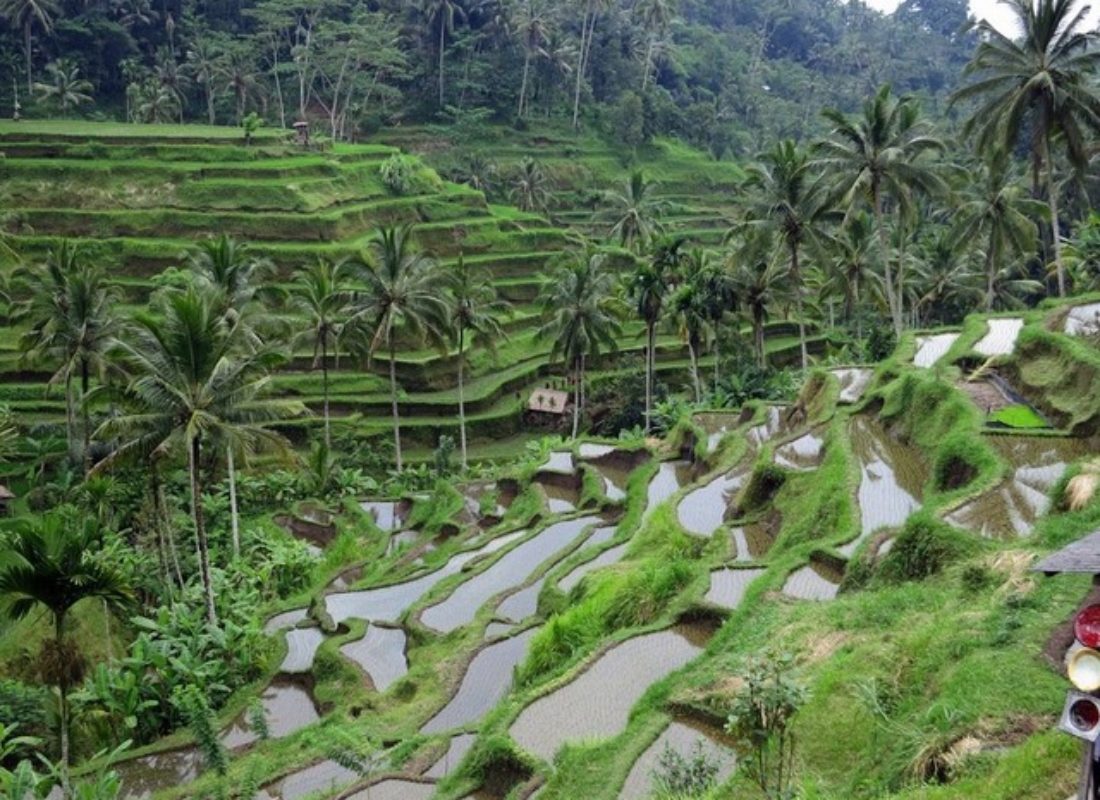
{"x":137,"y":197}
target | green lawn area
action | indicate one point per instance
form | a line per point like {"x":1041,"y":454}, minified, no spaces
{"x":77,"y":128}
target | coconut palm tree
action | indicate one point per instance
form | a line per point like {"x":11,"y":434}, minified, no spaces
{"x":400,"y":292}
{"x":49,"y":564}
{"x":530,"y":187}
{"x":206,"y":65}
{"x":533,"y":27}
{"x":475,"y":312}
{"x":648,"y":286}
{"x":655,"y":17}
{"x":634,"y":212}
{"x":786,"y":193}
{"x":441,"y":16}
{"x":690,"y":306}
{"x":29,"y":14}
{"x":197,"y":376}
{"x":66,"y":89}
{"x":997,"y":210}
{"x":1039,"y":85}
{"x":320,"y":294}
{"x":877,"y":158}
{"x":592,"y":9}
{"x":850,"y":265}
{"x":70,"y":310}
{"x":760,"y":281}
{"x":579,"y":317}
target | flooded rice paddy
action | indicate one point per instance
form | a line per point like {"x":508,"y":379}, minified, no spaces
{"x":591,"y":450}
{"x":804,"y":453}
{"x":457,"y":749}
{"x":670,"y":477}
{"x":512,"y":569}
{"x":395,"y":789}
{"x":605,"y":559}
{"x":816,"y":581}
{"x":560,"y":462}
{"x":717,"y":426}
{"x":683,"y":738}
{"x":288,"y":707}
{"x":1083,"y":320}
{"x":728,"y":586}
{"x":388,"y":515}
{"x":380,"y":654}
{"x":853,"y":383}
{"x":606,"y":690}
{"x":766,"y":431}
{"x":325,"y":776}
{"x":703,"y":510}
{"x":930,"y":349}
{"x":301,"y":648}
{"x":1001,"y":338}
{"x":750,"y":542}
{"x":141,"y":777}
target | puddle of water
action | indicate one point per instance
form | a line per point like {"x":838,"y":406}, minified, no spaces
{"x":802,"y":454}
{"x":287,"y":708}
{"x":931,"y":349}
{"x":488,"y":678}
{"x":606,"y":692}
{"x":512,"y":569}
{"x":1083,"y":320}
{"x":717,"y":426}
{"x":523,"y":604}
{"x":401,"y":539}
{"x":892,"y":476}
{"x":590,"y":450}
{"x":750,"y":542}
{"x":325,"y":776}
{"x":394,"y":789}
{"x":560,"y":462}
{"x":681,"y":737}
{"x":381,"y":654}
{"x":457,"y":749}
{"x":1001,"y":338}
{"x":495,"y":629}
{"x":765,"y":431}
{"x":287,"y":619}
{"x":141,"y":777}
{"x":388,"y":603}
{"x":702,"y":511}
{"x":608,"y":557}
{"x":301,"y":648}
{"x":728,"y":586}
{"x":1012,"y":508}
{"x":853,"y":383}
{"x":560,"y":499}
{"x":815,"y":581}
{"x":388,"y":515}
{"x":601,"y":536}
{"x":670,"y":476}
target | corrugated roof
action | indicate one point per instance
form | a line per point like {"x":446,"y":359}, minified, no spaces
{"x":1081,"y":556}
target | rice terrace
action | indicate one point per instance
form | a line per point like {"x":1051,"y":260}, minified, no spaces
{"x":558,"y":399}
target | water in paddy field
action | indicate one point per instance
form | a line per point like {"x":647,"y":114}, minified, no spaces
{"x":381,"y":654}
{"x":671,"y":475}
{"x":931,"y":349}
{"x":605,"y":559}
{"x":288,"y":708}
{"x":560,"y":462}
{"x":717,"y":426}
{"x":1001,"y":338}
{"x":388,"y":603}
{"x":702,"y":511}
{"x":683,"y":737}
{"x":607,"y":691}
{"x":141,"y":777}
{"x":388,"y":515}
{"x":815,"y":581}
{"x":591,"y":450}
{"x":853,"y":383}
{"x":301,"y":649}
{"x":562,"y":495}
{"x":1083,"y":320}
{"x":728,"y":586}
{"x":803,"y":454}
{"x":520,"y":605}
{"x":1012,"y":508}
{"x":511,"y":570}
{"x":288,"y":619}
{"x":891,"y":478}
{"x":393,"y":789}
{"x":325,"y":776}
{"x":457,"y":749}
{"x":487,"y":679}
{"x":764,"y":432}
{"x":750,"y":542}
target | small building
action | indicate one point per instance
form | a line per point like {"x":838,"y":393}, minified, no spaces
{"x":548,"y":401}
{"x":6,"y":498}
{"x":1081,"y":557}
{"x":301,"y":128}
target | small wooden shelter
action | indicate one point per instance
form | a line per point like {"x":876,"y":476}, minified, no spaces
{"x":548,"y":401}
{"x":1082,"y":557}
{"x":6,"y":498}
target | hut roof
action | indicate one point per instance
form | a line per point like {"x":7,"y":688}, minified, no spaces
{"x":1081,"y":556}
{"x":548,"y":401}
{"x":6,"y":493}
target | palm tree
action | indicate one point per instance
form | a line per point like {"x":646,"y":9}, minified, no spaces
{"x":69,"y":307}
{"x":948,"y":285}
{"x":655,"y":17}
{"x":320,"y":295}
{"x":998,"y":210}
{"x":635,"y":212}
{"x":533,"y":27}
{"x":66,"y":89}
{"x":849,"y":265}
{"x":400,"y":292}
{"x":475,"y":313}
{"x":441,"y":15}
{"x":879,"y":157}
{"x":579,"y":316}
{"x":530,"y":187}
{"x":27,"y":14}
{"x":50,"y":564}
{"x":592,"y":10}
{"x":227,"y":265}
{"x":196,"y":378}
{"x":240,"y":81}
{"x":206,"y":65}
{"x":1041,"y":84}
{"x":785,"y":193}
{"x":649,"y":286}
{"x":691,"y":308}
{"x":155,"y":103}
{"x":760,"y":281}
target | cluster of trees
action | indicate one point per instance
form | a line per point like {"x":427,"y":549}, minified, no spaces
{"x":720,"y":74}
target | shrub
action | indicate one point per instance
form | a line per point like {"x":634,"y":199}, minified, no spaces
{"x":766,"y":480}
{"x":925,"y":546}
{"x":406,"y":175}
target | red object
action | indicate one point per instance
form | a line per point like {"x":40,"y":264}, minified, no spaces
{"x":1086,"y":627}
{"x":1084,"y":714}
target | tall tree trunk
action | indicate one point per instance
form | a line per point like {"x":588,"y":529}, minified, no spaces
{"x":796,"y":275}
{"x":694,"y":369}
{"x":990,"y":269}
{"x":758,"y":337}
{"x":649,"y":337}
{"x":461,"y":394}
{"x":234,"y":514}
{"x":647,"y":68}
{"x":70,"y":418}
{"x":324,"y":387}
{"x":86,"y":453}
{"x":523,"y":83}
{"x":393,"y":403}
{"x":278,"y":86}
{"x":580,"y":64}
{"x":576,"y":399}
{"x":1055,"y":228}
{"x":63,"y":712}
{"x":442,"y":47}
{"x":209,"y":104}
{"x":28,"y":53}
{"x":203,"y":546}
{"x":884,"y":247}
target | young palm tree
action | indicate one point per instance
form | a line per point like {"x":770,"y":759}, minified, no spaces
{"x":475,"y":315}
{"x":441,"y":15}
{"x":948,"y":284}
{"x":579,"y":316}
{"x":400,"y":292}
{"x":48,"y":566}
{"x":320,"y":294}
{"x":69,"y":307}
{"x":66,"y":89}
{"x":635,"y":212}
{"x":530,"y":188}
{"x":28,"y":14}
{"x":649,"y":286}
{"x":690,"y":306}
{"x":196,"y":379}
{"x":760,"y":281}
{"x":785,"y":193}
{"x":999,"y":211}
{"x":849,"y":265}
{"x":1040,"y":83}
{"x":878,"y":157}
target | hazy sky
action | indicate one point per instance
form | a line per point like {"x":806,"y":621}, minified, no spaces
{"x":989,"y":9}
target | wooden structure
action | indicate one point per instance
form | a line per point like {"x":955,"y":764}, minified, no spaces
{"x":301,"y":128}
{"x":6,"y":497}
{"x":548,"y":401}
